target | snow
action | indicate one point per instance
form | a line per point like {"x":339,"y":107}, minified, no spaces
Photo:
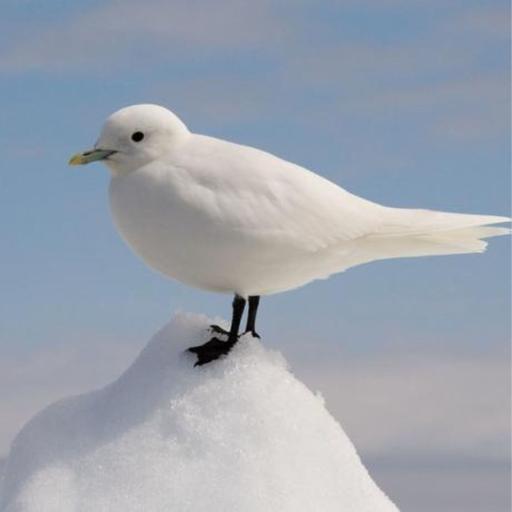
{"x":241,"y":434}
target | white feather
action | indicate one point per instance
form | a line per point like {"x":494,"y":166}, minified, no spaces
{"x":232,"y":218}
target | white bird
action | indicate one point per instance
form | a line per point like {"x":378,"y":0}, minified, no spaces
{"x":234,"y":219}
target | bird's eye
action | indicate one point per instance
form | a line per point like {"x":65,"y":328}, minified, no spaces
{"x":137,"y":136}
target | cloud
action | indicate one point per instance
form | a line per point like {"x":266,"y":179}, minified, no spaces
{"x":460,"y":109}
{"x":492,"y":21}
{"x":451,"y":89}
{"x":33,"y":379}
{"x":117,"y":34}
{"x":430,"y":82}
{"x":120,"y":34}
{"x":236,"y":61}
{"x":441,"y":404}
{"x":444,"y":485}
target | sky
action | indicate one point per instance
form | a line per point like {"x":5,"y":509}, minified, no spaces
{"x":403,"y":102}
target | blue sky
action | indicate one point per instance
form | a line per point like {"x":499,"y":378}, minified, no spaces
{"x":403,"y":102}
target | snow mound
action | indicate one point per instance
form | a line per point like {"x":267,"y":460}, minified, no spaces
{"x":241,"y":434}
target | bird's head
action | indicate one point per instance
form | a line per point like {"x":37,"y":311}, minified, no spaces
{"x":133,"y":137}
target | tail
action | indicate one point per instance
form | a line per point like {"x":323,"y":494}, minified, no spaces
{"x":406,"y":222}
{"x":409,"y":233}
{"x":437,"y":232}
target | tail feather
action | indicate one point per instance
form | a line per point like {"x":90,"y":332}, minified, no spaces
{"x":403,"y":221}
{"x":412,"y":233}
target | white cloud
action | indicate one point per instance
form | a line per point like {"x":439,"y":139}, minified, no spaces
{"x":32,"y":380}
{"x":431,"y":82}
{"x":441,"y":403}
{"x":118,"y":34}
{"x":436,"y":78}
{"x":122,"y":34}
{"x":492,"y":21}
{"x":461,"y":109}
{"x":463,"y":486}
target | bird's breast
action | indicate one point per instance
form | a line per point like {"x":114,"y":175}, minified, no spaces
{"x":178,"y":236}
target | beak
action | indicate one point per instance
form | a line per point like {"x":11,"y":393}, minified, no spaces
{"x":91,"y":155}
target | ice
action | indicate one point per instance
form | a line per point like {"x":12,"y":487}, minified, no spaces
{"x":240,"y":434}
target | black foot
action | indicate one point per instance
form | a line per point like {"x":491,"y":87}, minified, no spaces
{"x":217,"y":329}
{"x":211,"y":350}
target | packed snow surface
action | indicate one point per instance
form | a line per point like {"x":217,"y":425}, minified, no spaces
{"x":240,"y":434}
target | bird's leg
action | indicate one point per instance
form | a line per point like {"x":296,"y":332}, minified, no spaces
{"x":254,"y":301}
{"x":238,"y":311}
{"x":215,"y":348}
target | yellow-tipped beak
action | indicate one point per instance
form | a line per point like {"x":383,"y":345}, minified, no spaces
{"x":92,"y":155}
{"x":77,"y":159}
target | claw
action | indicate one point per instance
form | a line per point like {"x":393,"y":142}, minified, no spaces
{"x":210,"y":351}
{"x":217,"y":329}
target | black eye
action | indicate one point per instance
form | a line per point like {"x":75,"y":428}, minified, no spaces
{"x":137,"y":136}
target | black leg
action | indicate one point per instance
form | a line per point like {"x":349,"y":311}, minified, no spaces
{"x":254,"y":301}
{"x":238,"y":311}
{"x":214,"y":348}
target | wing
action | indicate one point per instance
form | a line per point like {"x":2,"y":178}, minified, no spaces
{"x":253,"y":192}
